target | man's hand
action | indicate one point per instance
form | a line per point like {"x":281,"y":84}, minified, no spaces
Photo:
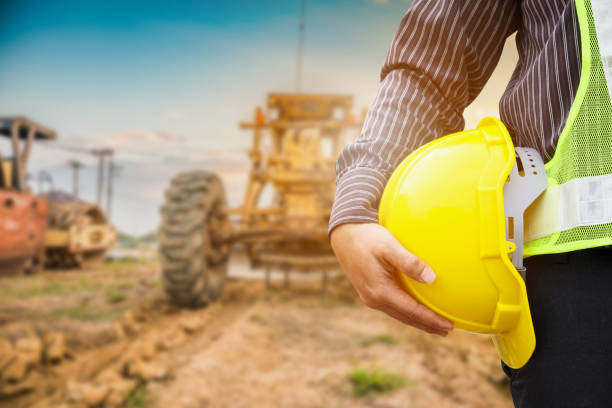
{"x":369,"y":254}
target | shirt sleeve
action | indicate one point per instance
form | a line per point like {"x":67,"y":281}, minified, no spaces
{"x":440,"y":58}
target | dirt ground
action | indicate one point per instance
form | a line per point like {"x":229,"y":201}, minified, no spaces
{"x":126,"y":346}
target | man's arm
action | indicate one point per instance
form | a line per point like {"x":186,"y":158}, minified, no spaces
{"x":440,"y":59}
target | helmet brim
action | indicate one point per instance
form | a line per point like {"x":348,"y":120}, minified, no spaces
{"x":516,"y":347}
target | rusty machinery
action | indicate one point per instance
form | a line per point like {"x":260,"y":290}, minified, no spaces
{"x":23,"y":215}
{"x":79,"y":234}
{"x":294,"y":148}
{"x":53,"y":229}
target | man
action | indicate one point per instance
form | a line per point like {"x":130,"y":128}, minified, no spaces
{"x":440,"y":59}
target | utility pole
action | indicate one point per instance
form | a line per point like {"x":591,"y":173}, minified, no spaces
{"x":101,"y":155}
{"x":113,"y":171}
{"x":76,"y":166}
{"x":301,"y":29}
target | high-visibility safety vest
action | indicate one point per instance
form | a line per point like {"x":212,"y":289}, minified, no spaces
{"x":575,"y":212}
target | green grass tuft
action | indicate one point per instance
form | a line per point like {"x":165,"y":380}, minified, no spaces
{"x":113,"y":296}
{"x":125,"y":285}
{"x":137,"y":397}
{"x":374,"y":380}
{"x":380,"y":339}
{"x":37,"y":286}
{"x":118,"y":264}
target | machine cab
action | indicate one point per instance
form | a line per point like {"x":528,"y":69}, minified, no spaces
{"x":21,"y":132}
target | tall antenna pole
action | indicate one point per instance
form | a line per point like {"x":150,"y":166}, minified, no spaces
{"x":76,"y":166}
{"x":301,"y":28}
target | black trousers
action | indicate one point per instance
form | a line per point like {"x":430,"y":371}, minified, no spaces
{"x":570,"y":296}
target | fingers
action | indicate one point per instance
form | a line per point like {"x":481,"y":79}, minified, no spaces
{"x":410,"y":265}
{"x":398,"y":316}
{"x":387,"y":297}
{"x":411,"y":311}
{"x":370,"y":255}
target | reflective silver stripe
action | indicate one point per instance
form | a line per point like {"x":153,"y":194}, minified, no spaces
{"x":579,"y":202}
{"x":602,"y":15}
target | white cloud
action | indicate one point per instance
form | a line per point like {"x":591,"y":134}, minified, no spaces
{"x":138,"y":138}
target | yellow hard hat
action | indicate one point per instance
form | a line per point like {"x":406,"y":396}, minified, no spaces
{"x":457,"y":203}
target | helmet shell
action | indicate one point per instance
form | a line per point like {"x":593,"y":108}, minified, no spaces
{"x":444,"y":203}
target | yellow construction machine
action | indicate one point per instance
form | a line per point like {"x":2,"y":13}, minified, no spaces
{"x":79,"y":234}
{"x":295,"y":143}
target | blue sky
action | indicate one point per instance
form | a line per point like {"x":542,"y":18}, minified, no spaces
{"x":166,"y":82}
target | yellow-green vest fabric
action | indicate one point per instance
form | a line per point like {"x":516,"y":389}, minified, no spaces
{"x":575,"y":212}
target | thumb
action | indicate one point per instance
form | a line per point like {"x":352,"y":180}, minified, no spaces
{"x":407,"y":263}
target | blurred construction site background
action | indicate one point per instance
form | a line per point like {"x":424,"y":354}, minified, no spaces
{"x":167,"y":172}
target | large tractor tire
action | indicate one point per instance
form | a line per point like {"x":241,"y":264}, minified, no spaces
{"x":193,"y":257}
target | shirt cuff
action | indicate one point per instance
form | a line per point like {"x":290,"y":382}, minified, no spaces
{"x":358,"y":192}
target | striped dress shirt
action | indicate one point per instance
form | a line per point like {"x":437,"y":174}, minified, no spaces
{"x":441,"y":56}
